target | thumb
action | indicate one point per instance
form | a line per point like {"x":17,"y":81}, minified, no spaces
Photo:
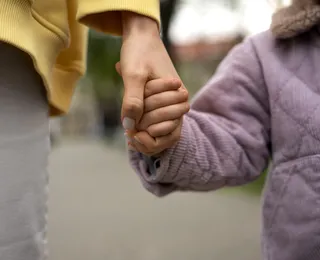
{"x":133,"y":99}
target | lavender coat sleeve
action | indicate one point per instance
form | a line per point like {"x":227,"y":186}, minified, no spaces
{"x":225,"y":136}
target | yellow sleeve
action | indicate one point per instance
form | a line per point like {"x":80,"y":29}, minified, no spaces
{"x":92,"y":13}
{"x":70,"y":64}
{"x":74,"y":57}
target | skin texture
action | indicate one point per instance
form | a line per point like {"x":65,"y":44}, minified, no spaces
{"x":144,"y":59}
{"x":160,"y":126}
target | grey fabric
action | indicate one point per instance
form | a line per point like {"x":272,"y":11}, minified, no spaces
{"x":24,"y":149}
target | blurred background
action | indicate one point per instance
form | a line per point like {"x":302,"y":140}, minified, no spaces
{"x":98,"y":208}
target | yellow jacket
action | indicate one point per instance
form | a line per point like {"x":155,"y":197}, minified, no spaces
{"x":54,"y":34}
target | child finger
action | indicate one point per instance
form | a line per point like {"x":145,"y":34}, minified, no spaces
{"x":118,"y":68}
{"x":167,"y":141}
{"x":163,"y":128}
{"x":136,"y":147}
{"x":165,"y":99}
{"x":145,"y":144}
{"x":163,"y":114}
{"x":161,"y":85}
{"x":154,"y":146}
{"x":132,"y":145}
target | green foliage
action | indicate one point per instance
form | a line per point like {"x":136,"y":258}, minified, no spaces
{"x":103,"y":54}
{"x":256,"y":187}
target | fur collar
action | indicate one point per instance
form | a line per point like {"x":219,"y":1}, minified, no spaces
{"x":296,"y":19}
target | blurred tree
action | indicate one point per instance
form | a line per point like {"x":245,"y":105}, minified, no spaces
{"x":103,"y":53}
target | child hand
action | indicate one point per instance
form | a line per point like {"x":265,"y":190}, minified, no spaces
{"x":165,"y":103}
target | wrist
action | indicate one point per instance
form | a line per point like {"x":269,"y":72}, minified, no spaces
{"x":133,"y":23}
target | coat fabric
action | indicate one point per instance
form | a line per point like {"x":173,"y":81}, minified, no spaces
{"x":298,"y":18}
{"x":262,"y":104}
{"x":54,"y":34}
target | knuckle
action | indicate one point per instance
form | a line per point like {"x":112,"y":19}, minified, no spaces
{"x":185,"y":95}
{"x":133,"y":105}
{"x":150,"y":88}
{"x":184,"y":108}
{"x":175,"y":81}
{"x":136,"y":74}
{"x":187,"y":107}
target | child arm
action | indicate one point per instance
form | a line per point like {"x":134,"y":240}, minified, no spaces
{"x":225,"y":136}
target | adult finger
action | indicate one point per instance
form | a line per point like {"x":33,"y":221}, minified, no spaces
{"x":133,"y":98}
{"x":164,"y":99}
{"x":161,"y":85}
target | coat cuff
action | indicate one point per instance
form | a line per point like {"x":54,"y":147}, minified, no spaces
{"x":169,"y":172}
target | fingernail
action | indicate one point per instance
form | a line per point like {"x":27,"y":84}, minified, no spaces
{"x":128,"y":123}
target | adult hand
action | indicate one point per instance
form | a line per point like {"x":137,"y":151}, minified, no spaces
{"x":143,"y":58}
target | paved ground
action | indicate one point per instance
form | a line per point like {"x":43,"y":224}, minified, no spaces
{"x":99,"y":211}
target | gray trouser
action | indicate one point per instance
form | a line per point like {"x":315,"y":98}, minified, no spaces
{"x":24,"y":150}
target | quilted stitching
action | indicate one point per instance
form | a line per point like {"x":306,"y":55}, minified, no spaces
{"x":215,"y":152}
{"x":301,"y":124}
